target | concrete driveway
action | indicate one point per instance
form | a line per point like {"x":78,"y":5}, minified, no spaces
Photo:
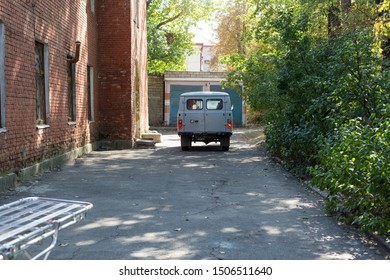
{"x":163,"y":203}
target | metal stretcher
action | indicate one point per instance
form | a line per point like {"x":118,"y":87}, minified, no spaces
{"x":28,"y":221}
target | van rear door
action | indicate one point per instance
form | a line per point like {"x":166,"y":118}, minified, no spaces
{"x":194,"y":114}
{"x":215,"y":114}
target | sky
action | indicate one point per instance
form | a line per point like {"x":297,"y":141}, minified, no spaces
{"x":204,"y":33}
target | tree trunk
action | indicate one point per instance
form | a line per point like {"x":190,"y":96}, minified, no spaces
{"x":334,"y":23}
{"x":345,"y":8}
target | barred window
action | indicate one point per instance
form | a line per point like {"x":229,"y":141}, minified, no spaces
{"x":41,"y":83}
{"x":2,"y":78}
{"x":90,"y":79}
{"x":71,"y":76}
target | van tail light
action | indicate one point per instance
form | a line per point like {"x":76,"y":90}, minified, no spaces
{"x":179,"y":124}
{"x":229,"y":124}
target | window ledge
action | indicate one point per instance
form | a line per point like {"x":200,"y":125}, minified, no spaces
{"x":43,"y":126}
{"x":72,"y":123}
{"x":3,"y":130}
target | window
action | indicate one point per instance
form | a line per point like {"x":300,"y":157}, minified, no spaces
{"x":41,"y":83}
{"x":2,"y":78}
{"x":214,"y":104}
{"x":194,"y":104}
{"x":71,"y":70}
{"x":90,"y":93}
{"x":92,"y":2}
{"x":136,"y":12}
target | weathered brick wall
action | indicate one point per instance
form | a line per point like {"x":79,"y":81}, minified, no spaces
{"x":122,"y":76}
{"x":108,"y":44}
{"x":115,"y":72}
{"x":58,"y":24}
{"x":156,"y":100}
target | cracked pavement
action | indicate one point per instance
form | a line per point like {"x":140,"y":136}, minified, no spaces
{"x":163,"y":203}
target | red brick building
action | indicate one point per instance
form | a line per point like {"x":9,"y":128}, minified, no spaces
{"x":72,"y":74}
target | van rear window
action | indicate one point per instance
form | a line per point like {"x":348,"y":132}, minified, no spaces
{"x":194,"y":104}
{"x":214,"y":104}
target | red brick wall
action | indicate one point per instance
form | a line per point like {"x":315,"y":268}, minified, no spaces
{"x":122,"y":50}
{"x":106,"y":44}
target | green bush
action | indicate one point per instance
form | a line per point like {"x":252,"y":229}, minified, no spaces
{"x":326,"y":101}
{"x":353,"y":159}
{"x":336,"y":118}
{"x":355,"y":170}
{"x":295,"y":144}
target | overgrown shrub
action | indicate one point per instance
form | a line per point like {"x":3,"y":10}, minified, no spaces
{"x":295,"y":144}
{"x":354,"y":169}
{"x":326,"y":100}
{"x":337,"y":119}
{"x":354,"y":158}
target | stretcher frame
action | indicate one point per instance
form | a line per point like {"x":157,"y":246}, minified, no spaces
{"x":27,"y":221}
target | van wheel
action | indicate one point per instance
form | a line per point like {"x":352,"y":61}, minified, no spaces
{"x":185,"y":142}
{"x":225,"y":143}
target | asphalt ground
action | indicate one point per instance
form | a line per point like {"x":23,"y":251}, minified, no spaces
{"x":205,"y":204}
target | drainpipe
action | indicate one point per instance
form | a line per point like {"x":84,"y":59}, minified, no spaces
{"x":77,"y":55}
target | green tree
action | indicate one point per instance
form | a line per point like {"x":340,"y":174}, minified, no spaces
{"x":232,"y":21}
{"x":319,"y":72}
{"x":382,"y":28}
{"x":168,"y":25}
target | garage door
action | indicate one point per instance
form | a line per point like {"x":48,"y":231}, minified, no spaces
{"x":236,"y":100}
{"x":175,"y":91}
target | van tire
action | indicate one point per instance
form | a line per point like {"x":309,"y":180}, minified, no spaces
{"x":225,"y":143}
{"x":185,"y":142}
